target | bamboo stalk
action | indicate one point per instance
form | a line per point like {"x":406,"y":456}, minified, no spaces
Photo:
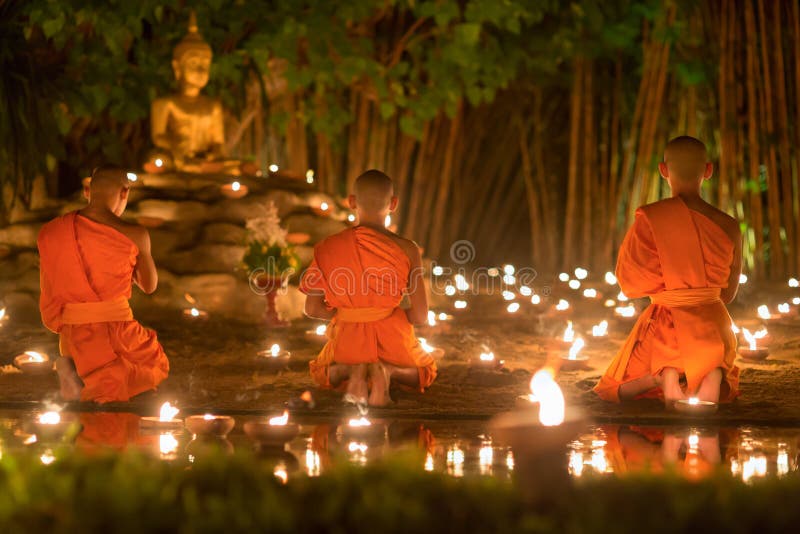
{"x":572,"y":170}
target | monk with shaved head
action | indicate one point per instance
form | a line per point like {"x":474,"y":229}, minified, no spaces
{"x":357,"y":280}
{"x":686,"y":256}
{"x":90,"y":260}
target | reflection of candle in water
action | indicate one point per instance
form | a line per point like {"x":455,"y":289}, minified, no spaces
{"x":782,"y":461}
{"x":752,"y":339}
{"x":49,"y":418}
{"x":280,"y":420}
{"x":575,"y":463}
{"x":601,"y":329}
{"x":763,"y":312}
{"x":564,"y":277}
{"x":610,"y":279}
{"x":513,"y":307}
{"x":455,"y":461}
{"x":280,"y":469}
{"x":312,"y":462}
{"x":486,"y":458}
{"x":574,"y":284}
{"x":167,"y":444}
{"x":577,"y":345}
{"x":47,"y":458}
{"x":429,"y":462}
{"x":360,"y":422}
{"x":569,"y":333}
{"x":581,"y":273}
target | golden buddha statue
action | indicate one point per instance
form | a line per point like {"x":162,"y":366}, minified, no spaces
{"x":187,"y":128}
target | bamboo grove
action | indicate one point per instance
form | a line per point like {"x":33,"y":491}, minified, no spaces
{"x":549,"y":168}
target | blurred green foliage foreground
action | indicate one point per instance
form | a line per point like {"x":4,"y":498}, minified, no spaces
{"x":132,"y":492}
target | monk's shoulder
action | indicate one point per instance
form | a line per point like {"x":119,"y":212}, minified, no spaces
{"x":135,"y":232}
{"x":729,"y":224}
{"x":333,"y":240}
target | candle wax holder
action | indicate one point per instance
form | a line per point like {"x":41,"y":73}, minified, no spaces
{"x":278,"y":362}
{"x":573,"y":364}
{"x":757,"y":354}
{"x":229,"y":192}
{"x":155,"y":423}
{"x":216,"y":425}
{"x":489,"y":365}
{"x":697,"y":408}
{"x":27,"y":365}
{"x":262,"y":432}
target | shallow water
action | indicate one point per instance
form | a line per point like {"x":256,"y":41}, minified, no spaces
{"x":458,"y":448}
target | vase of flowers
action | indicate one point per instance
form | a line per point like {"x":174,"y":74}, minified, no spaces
{"x":269,"y":260}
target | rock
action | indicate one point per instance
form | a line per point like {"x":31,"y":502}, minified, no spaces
{"x":239,"y":210}
{"x":173,"y":210}
{"x":21,"y":235}
{"x":16,"y":266}
{"x":224,"y":233}
{"x":26,"y":282}
{"x":163,"y":242}
{"x":206,"y":258}
{"x":317,"y":227}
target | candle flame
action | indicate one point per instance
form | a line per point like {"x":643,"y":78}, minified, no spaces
{"x":2,"y":313}
{"x":622,"y":297}
{"x":581,"y":273}
{"x":487,"y":356}
{"x":273,"y":168}
{"x":536,"y":299}
{"x":431,"y":318}
{"x":280,"y":470}
{"x":784,"y":308}
{"x":509,"y":279}
{"x":34,"y":356}
{"x":601,"y":329}
{"x":525,"y":291}
{"x":235,"y":186}
{"x":438,"y":270}
{"x":209,"y":417}
{"x":590,"y":293}
{"x":513,"y":307}
{"x":132,"y":176}
{"x":694,"y":401}
{"x":574,"y":284}
{"x":351,"y":217}
{"x":360,"y":422}
{"x":569,"y":333}
{"x":194,"y":312}
{"x":460,"y":304}
{"x":752,"y":338}
{"x":562,"y":305}
{"x":509,"y":295}
{"x":610,"y":303}
{"x":320,"y":330}
{"x":167,"y":412}
{"x":387,"y":221}
{"x":443,"y":316}
{"x":763,"y":312}
{"x":743,"y":278}
{"x":610,"y":278}
{"x":449,"y":290}
{"x":735,"y":328}
{"x":564,"y":277}
{"x":625,"y":311}
{"x":280,"y":420}
{"x":425,"y":345}
{"x":324,"y":206}
{"x":576,"y":348}
{"x":159,"y":162}
{"x":794,"y":282}
{"x":551,"y":399}
{"x":274,"y":350}
{"x":509,"y":269}
{"x":461,"y":282}
{"x":49,"y":418}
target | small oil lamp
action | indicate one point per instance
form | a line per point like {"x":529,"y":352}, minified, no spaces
{"x":210,"y":425}
{"x":574,"y":360}
{"x":323,"y":209}
{"x":590,"y":293}
{"x":195,"y":313}
{"x":581,"y":273}
{"x":764,"y":313}
{"x":753,"y":351}
{"x":275,"y":357}
{"x":165,"y":420}
{"x":487,"y":360}
{"x":33,"y":363}
{"x":696,"y":407}
{"x":563,"y":305}
{"x":569,"y":335}
{"x":50,"y":425}
{"x":625,"y":313}
{"x":536,"y":300}
{"x":234,"y":190}
{"x":610,"y":279}
{"x":318,"y":333}
{"x":574,"y":284}
{"x":275,"y":430}
{"x":460,"y":304}
{"x":564,"y":277}
{"x":513,"y":307}
{"x":600,"y":329}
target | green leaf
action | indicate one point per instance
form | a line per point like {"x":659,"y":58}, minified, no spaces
{"x":467,"y":33}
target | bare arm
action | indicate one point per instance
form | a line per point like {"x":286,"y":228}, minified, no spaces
{"x":316,"y":308}
{"x":417,"y":312}
{"x":729,"y":293}
{"x":145,"y":274}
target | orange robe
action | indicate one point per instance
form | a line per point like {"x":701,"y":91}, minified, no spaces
{"x":86,"y":277}
{"x":363,"y":275}
{"x":681,"y":259}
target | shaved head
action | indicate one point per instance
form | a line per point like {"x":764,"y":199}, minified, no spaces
{"x":686,"y":158}
{"x":108,"y":180}
{"x":374,"y":191}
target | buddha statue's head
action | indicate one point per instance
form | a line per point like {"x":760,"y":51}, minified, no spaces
{"x":191,"y":60}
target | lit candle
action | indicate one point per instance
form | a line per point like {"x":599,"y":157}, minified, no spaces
{"x":444,"y":317}
{"x":581,"y":273}
{"x":33,"y":362}
{"x":280,"y":420}
{"x":461,"y":282}
{"x":742,"y":278}
{"x":324,"y":206}
{"x":794,"y":282}
{"x":49,"y":418}
{"x":165,"y":419}
{"x":536,"y":299}
{"x":234,"y":190}
{"x":574,"y":284}
{"x":590,"y":293}
{"x":622,"y":297}
{"x":358,"y":423}
{"x":551,"y":400}
{"x":449,"y":290}
{"x":2,"y":314}
{"x":564,"y":277}
{"x":387,"y":221}
{"x":275,"y":430}
{"x":310,"y":176}
{"x":764,"y":313}
{"x":625,"y":312}
{"x":784,"y":308}
{"x":509,"y":279}
{"x":573,"y":360}
{"x":695,"y":406}
{"x":509,"y":295}
{"x":753,"y":351}
{"x":610,"y":303}
{"x":487,"y":360}
{"x":569,"y":334}
{"x":460,"y":304}
{"x":275,"y":357}
{"x":210,"y":425}
{"x":159,"y":162}
{"x":426,"y":346}
{"x":513,"y":307}
{"x":437,"y":270}
{"x":610,"y":279}
{"x":577,"y":346}
{"x":132,"y":177}
{"x":601,"y":329}
{"x":796,"y":301}
{"x":431,"y":318}
{"x":525,"y":291}
{"x":273,"y":168}
{"x":509,"y":269}
{"x":351,"y":218}
{"x":562,"y":305}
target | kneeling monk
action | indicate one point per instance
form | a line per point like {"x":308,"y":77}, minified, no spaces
{"x":357,"y":279}
{"x":685,"y":255}
{"x":89,"y":260}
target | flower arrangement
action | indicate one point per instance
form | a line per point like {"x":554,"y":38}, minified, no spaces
{"x":267,"y":250}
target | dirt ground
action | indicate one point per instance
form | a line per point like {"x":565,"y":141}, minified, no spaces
{"x":214,"y":365}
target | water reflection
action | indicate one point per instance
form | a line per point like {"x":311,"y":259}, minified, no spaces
{"x":456,"y":448}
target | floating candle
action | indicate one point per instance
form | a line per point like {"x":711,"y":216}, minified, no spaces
{"x":581,"y":273}
{"x":610,"y":279}
{"x":574,"y":284}
{"x":275,"y":357}
{"x":513,"y":307}
{"x":562,"y":305}
{"x":601,"y":329}
{"x":275,"y":430}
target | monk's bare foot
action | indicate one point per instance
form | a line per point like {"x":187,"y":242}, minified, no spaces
{"x":671,"y":387}
{"x":408,"y":376}
{"x":338,"y":373}
{"x":379,"y":396}
{"x":71,"y":384}
{"x":709,"y":387}
{"x":357,"y":389}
